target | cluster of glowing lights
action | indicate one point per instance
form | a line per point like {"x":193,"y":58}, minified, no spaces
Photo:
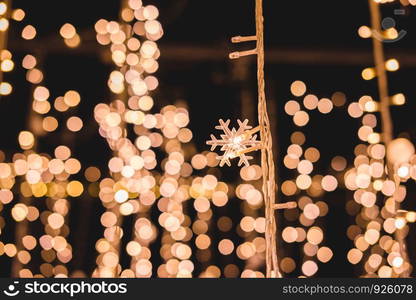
{"x":133,"y":45}
{"x":41,"y":175}
{"x":305,"y":186}
{"x":70,"y":35}
{"x":6,"y":61}
{"x":139,"y":181}
{"x":380,"y":228}
{"x":368,"y":179}
{"x":135,"y":184}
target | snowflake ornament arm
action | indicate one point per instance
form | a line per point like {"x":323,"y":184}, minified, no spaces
{"x":235,"y":142}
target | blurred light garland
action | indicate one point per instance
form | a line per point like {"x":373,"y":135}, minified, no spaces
{"x":6,"y":62}
{"x":154,"y":160}
{"x":234,"y":145}
{"x":307,"y":187}
{"x":380,"y":167}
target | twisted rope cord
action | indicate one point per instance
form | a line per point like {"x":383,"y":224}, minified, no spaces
{"x":267,"y":162}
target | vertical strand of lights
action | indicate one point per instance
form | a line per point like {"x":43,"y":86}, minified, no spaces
{"x":132,"y":187}
{"x":21,"y":212}
{"x":22,"y":165}
{"x":21,"y":229}
{"x":378,"y":52}
{"x":112,"y":219}
{"x":387,"y":123}
{"x":47,"y":177}
{"x":108,"y":247}
{"x":267,"y":162}
{"x":174,"y":193}
{"x":56,"y":251}
{"x":309,"y":186}
{"x":31,"y":169}
{"x":239,"y":142}
{"x":7,"y":177}
{"x":379,"y":167}
{"x":5,"y":55}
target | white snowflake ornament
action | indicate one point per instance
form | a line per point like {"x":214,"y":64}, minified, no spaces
{"x":234,"y":142}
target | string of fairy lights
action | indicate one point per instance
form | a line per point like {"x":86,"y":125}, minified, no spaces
{"x":370,"y":163}
{"x":156,"y":169}
{"x":380,"y":172}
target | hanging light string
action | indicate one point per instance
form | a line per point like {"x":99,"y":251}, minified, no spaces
{"x":236,"y":143}
{"x":267,"y":162}
{"x":386,"y":120}
{"x":387,"y":126}
{"x":3,"y":35}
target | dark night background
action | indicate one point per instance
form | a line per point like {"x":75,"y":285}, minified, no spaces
{"x":312,"y":41}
